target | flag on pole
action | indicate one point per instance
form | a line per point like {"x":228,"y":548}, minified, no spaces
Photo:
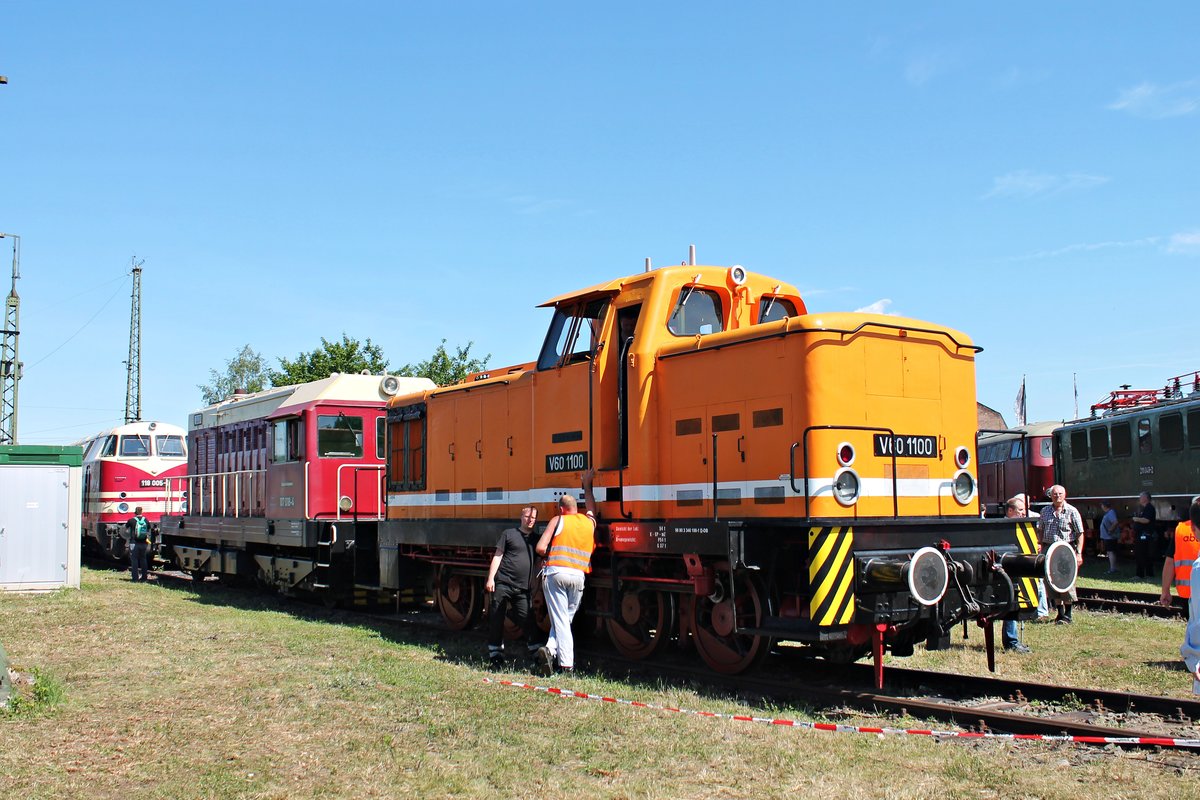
{"x":1019,"y":406}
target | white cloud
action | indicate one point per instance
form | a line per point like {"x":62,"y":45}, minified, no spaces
{"x":1185,"y":243}
{"x":1026,"y":183}
{"x":924,"y":67}
{"x":1150,"y":101}
{"x":529,"y":204}
{"x":1015,"y":77}
{"x":878,"y":307}
{"x":1149,"y":241}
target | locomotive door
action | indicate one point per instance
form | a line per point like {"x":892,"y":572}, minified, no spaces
{"x":467,"y":454}
{"x":689,"y":462}
{"x":727,"y":421}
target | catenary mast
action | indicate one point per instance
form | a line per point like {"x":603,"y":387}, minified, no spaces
{"x":133,"y":376}
{"x":10,"y":362}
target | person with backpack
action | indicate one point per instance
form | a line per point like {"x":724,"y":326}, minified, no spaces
{"x":139,"y":545}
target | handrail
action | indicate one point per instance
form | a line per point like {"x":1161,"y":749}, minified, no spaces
{"x":195,"y":490}
{"x":810,"y":429}
{"x":844,"y":331}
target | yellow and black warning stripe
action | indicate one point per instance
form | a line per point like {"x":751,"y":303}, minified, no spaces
{"x":831,"y":575}
{"x":1028,"y":545}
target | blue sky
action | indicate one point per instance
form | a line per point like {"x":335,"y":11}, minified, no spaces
{"x":408,"y":172}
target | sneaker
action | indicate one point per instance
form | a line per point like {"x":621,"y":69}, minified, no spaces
{"x":1017,"y":647}
{"x":1061,"y":620}
{"x":545,"y":661}
{"x":496,"y":661}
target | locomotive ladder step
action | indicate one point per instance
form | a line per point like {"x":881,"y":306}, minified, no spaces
{"x":324,"y":544}
{"x":321,"y":586}
{"x":320,"y":565}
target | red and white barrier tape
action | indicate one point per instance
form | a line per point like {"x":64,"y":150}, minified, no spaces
{"x":824,"y":726}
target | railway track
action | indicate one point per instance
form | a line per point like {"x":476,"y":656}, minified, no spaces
{"x":1123,"y":602}
{"x":973,"y":703}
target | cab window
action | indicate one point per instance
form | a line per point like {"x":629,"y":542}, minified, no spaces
{"x":772,"y":308}
{"x":287,"y":443}
{"x":573,"y":334}
{"x":697,"y":311}
{"x":110,"y":447}
{"x":135,"y":446}
{"x":170,"y":446}
{"x":339,"y":436}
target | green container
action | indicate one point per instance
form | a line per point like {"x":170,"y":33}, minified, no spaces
{"x":54,"y":455}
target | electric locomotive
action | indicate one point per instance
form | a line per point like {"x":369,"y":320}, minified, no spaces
{"x":1137,"y":440}
{"x":125,"y":467}
{"x":762,"y":472}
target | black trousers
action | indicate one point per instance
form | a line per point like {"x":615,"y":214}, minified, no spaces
{"x":1143,"y":551}
{"x":514,"y":603}
{"x":139,"y":561}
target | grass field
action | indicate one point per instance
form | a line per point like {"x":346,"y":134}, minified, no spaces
{"x":146,"y":690}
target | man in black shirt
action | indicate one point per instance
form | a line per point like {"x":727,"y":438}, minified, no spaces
{"x":510,"y":581}
{"x":1144,"y":535}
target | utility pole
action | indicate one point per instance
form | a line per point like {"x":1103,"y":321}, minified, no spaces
{"x":10,"y":362}
{"x":133,"y":376}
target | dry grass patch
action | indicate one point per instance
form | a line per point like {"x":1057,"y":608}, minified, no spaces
{"x":171,"y":693}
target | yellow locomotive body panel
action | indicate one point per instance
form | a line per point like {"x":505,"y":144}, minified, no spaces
{"x":659,"y":379}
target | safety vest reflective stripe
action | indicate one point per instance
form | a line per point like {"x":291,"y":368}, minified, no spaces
{"x":572,"y":546}
{"x":1187,"y":548}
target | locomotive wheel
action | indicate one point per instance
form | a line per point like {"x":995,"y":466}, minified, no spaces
{"x":459,"y":598}
{"x":643,"y":623}
{"x":712,"y":624}
{"x":541,"y":616}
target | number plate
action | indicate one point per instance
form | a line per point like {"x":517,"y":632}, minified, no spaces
{"x":905,"y":446}
{"x":567,"y":462}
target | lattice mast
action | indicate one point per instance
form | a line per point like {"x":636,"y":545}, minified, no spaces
{"x":10,"y":362}
{"x":133,"y":365}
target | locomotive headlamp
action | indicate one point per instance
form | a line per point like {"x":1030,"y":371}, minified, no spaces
{"x":345,"y":503}
{"x":845,"y":454}
{"x":122,"y":507}
{"x":846,"y":487}
{"x":962,"y":457}
{"x":737,"y":275}
{"x":964,"y":487}
{"x":925,"y":574}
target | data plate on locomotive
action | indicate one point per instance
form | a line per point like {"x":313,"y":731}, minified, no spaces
{"x":905,"y":446}
{"x":665,"y":537}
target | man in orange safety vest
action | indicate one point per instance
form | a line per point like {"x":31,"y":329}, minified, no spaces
{"x":567,"y":544}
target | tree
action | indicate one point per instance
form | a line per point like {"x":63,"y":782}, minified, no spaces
{"x":347,"y":356}
{"x":247,"y":370}
{"x":445,"y":369}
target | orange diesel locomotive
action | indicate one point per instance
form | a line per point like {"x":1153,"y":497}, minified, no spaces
{"x":762,"y":473}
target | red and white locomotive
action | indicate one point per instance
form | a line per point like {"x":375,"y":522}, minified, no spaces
{"x":126,"y":467}
{"x":288,"y":470}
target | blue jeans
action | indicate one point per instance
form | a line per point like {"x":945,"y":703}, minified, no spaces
{"x":1009,"y":635}
{"x":564,"y":592}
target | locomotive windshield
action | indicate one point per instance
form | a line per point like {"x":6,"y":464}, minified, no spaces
{"x":771,"y":308}
{"x":170,"y":446}
{"x":573,"y":333}
{"x":698,"y":311}
{"x":135,"y":446}
{"x":340,"y":436}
